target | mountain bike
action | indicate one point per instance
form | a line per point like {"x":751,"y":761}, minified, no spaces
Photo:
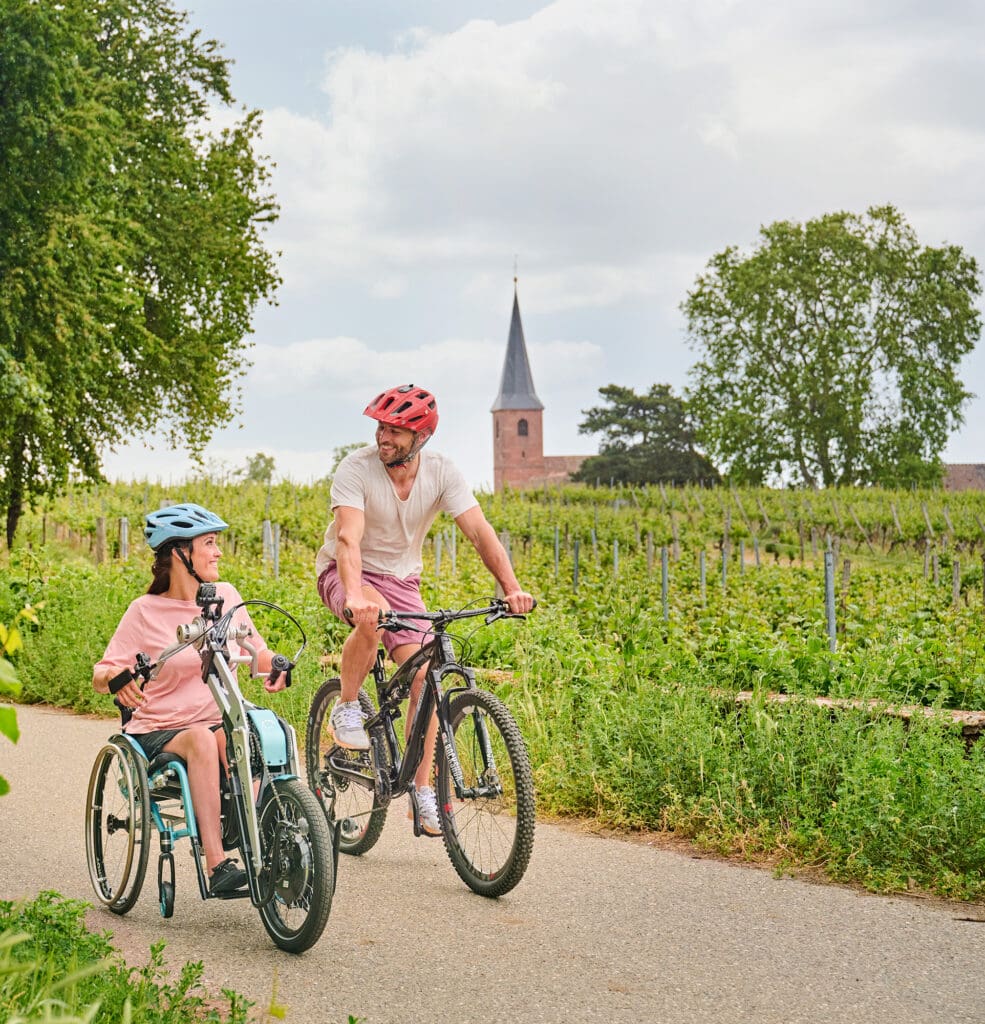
{"x":281,"y":832}
{"x":483,"y":780}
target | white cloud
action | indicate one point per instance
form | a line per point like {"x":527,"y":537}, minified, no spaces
{"x":614,"y":147}
{"x":305,"y":399}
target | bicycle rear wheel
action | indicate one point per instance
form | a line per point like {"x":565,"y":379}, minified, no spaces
{"x":489,"y":835}
{"x":356,"y":808}
{"x":297,"y":853}
{"x":117,"y":826}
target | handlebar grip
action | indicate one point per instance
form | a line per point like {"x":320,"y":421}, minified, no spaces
{"x":120,"y":680}
{"x":278,"y":664}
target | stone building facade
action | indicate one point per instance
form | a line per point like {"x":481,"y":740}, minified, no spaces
{"x":964,"y":476}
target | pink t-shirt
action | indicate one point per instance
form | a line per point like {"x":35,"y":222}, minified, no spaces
{"x":177,"y":698}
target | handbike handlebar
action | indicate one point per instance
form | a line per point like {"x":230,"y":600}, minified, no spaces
{"x":194,"y":632}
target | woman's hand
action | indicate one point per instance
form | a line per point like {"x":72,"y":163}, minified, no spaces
{"x":131,"y":696}
{"x":278,"y":673}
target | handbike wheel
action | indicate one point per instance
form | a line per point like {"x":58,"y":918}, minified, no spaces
{"x":355,"y":808}
{"x":489,"y":834}
{"x":117,"y":827}
{"x":296,"y":851}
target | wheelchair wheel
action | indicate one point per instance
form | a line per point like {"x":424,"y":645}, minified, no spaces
{"x":298,"y":865}
{"x":166,"y":899}
{"x":118,"y":826}
{"x":165,"y":886}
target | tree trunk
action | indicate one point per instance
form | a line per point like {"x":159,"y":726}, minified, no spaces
{"x":15,"y":489}
{"x":15,"y":508}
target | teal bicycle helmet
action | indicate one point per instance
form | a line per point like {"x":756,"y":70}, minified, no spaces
{"x":180,"y":522}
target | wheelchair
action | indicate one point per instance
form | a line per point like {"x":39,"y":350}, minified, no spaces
{"x":287,"y":848}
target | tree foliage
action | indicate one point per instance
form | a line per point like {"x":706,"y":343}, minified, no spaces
{"x":259,"y":468}
{"x":829,"y":355}
{"x":131,"y":250}
{"x":646,"y":438}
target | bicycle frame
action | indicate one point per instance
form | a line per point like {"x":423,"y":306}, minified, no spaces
{"x":438,"y":658}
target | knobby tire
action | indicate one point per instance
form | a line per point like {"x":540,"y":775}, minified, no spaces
{"x":489,"y":839}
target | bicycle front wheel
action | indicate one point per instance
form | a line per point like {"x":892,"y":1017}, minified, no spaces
{"x":297,"y":856}
{"x":354,"y":806}
{"x":489,"y":832}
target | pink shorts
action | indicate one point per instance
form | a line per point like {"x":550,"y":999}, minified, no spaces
{"x":404,"y":595}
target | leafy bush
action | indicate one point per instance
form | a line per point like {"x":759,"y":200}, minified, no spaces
{"x":53,"y":968}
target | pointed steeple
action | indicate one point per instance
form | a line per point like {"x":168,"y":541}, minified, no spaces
{"x":516,"y":387}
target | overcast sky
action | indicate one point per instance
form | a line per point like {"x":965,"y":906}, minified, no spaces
{"x":607,"y":150}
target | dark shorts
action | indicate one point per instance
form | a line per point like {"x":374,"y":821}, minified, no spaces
{"x":153,"y":743}
{"x":404,"y":595}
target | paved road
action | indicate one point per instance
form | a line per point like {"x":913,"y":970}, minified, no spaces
{"x":598,"y":930}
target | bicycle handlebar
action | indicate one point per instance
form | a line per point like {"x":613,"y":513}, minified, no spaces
{"x":394,"y":619}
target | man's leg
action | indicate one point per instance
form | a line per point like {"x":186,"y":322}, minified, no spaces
{"x":427,"y":803}
{"x":358,"y":656}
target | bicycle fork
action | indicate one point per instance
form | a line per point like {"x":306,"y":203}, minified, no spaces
{"x":488,"y":783}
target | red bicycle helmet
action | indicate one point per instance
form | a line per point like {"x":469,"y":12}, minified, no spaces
{"x":406,"y":406}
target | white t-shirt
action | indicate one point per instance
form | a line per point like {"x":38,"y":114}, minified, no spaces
{"x":395,"y":530}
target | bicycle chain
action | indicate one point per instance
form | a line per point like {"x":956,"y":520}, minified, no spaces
{"x":384,"y":791}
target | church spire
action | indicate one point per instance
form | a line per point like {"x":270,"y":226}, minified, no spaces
{"x":516,"y":388}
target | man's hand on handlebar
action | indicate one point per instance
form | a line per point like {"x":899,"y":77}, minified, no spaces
{"x":520,"y":602}
{"x":360,"y":609}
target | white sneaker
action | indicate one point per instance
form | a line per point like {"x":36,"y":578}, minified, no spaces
{"x":346,"y":723}
{"x":427,"y":808}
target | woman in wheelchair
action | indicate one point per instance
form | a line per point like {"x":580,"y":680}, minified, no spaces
{"x":176,"y":713}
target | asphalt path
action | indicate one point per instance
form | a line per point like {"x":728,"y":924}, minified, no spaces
{"x":600,"y":929}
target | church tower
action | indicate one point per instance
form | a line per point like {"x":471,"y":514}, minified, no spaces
{"x":518,"y":415}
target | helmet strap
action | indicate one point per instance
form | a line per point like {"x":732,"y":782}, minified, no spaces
{"x":186,"y":561}
{"x":419,"y":443}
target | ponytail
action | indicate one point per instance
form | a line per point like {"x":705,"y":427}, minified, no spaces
{"x":161,"y":569}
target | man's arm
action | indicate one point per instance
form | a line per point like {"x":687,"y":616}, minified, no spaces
{"x":349,"y":526}
{"x":479,"y":531}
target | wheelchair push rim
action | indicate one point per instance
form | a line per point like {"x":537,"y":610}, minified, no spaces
{"x":117,"y":826}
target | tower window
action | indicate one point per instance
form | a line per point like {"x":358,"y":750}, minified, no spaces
{"x":522,"y":429}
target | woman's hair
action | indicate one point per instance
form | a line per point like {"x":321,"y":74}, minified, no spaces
{"x":161,"y":569}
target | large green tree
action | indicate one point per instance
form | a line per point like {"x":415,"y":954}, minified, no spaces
{"x":829,"y":354}
{"x":131,"y":237}
{"x":646,"y":438}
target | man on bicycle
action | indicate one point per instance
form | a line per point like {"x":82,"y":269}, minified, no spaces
{"x":384,"y":500}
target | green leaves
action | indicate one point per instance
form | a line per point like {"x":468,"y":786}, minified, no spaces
{"x":829,"y":354}
{"x":131,"y":238}
{"x":645,"y":439}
